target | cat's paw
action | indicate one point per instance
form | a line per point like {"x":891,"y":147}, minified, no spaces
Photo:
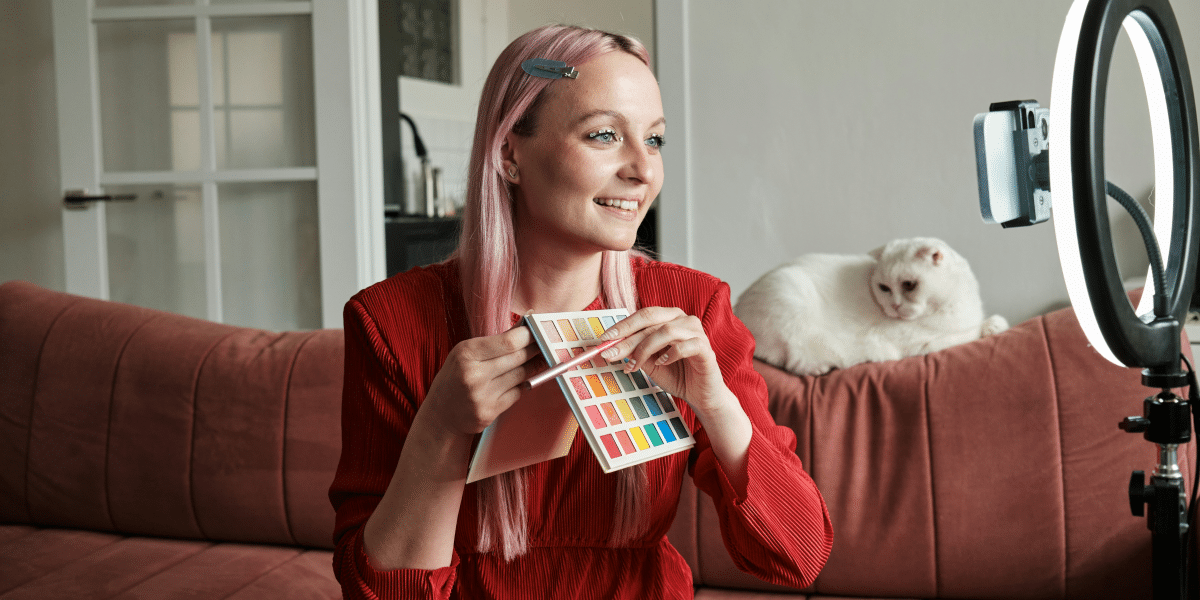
{"x":993,"y":325}
{"x":813,"y":370}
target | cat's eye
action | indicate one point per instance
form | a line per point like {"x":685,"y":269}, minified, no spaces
{"x":909,"y":286}
{"x":885,"y":289}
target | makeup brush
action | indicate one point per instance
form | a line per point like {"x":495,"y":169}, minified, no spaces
{"x":561,"y":368}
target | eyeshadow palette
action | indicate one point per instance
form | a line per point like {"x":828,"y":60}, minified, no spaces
{"x":626,"y":418}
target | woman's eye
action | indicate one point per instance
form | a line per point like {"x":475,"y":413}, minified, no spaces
{"x":604,"y":135}
{"x":885,"y":289}
{"x":656,"y":141}
{"x":909,"y":286}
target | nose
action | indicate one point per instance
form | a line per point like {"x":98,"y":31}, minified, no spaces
{"x":640,"y":165}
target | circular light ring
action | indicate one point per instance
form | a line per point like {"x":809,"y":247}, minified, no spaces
{"x":1077,"y":180}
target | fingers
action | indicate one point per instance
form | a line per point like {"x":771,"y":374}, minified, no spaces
{"x":657,"y":336}
{"x":643,"y":318}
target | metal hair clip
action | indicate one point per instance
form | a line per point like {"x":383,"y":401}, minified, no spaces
{"x":549,"y":69}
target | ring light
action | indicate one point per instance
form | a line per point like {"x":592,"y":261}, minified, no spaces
{"x":1120,"y":334}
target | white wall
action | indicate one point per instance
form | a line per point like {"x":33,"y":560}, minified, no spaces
{"x":837,"y":126}
{"x":31,"y":242}
{"x":630,"y":17}
{"x":816,"y":127}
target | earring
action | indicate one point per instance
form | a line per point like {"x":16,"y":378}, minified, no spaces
{"x":512,"y":174}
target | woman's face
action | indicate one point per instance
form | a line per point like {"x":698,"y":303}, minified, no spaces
{"x":587,"y":175}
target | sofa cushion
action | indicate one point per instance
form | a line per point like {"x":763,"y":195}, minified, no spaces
{"x":135,"y":421}
{"x":49,"y":564}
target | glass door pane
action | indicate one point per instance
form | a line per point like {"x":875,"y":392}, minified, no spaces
{"x":263,"y":92}
{"x":156,"y":248}
{"x":146,"y":69}
{"x":270,"y":259}
{"x":125,"y":3}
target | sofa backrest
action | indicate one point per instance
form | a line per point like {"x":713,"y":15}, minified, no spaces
{"x":126,"y":419}
{"x":993,"y":469}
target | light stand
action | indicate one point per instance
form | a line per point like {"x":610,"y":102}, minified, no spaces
{"x":1150,"y":337}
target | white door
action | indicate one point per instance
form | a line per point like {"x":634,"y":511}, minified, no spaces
{"x":237,"y":145}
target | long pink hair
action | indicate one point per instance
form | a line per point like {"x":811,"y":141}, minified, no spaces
{"x":488,"y":259}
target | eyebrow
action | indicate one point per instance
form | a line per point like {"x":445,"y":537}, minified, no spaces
{"x":614,"y":114}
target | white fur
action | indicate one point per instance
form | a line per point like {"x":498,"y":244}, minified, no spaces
{"x":821,"y":312}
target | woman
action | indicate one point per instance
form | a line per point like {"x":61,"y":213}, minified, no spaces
{"x":562,"y":172}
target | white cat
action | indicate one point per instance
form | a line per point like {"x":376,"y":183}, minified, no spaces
{"x":821,"y":312}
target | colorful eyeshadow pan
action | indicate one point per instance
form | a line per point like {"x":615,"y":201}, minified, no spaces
{"x":580,"y":389}
{"x":639,"y":438}
{"x":679,"y":428}
{"x":611,"y":413}
{"x":636,"y":403}
{"x":611,"y":383}
{"x":583,"y":329}
{"x":597,"y":328}
{"x":652,"y":405}
{"x":640,"y":380}
{"x":594,"y":414}
{"x":567,"y":331}
{"x":610,"y":446}
{"x":626,"y":382}
{"x":597,"y":387}
{"x":563,"y":355}
{"x":623,"y":406}
{"x":665,"y":401}
{"x":652,"y":434}
{"x":626,"y":443}
{"x":666,"y":431}
{"x":551,"y":331}
{"x":607,"y":321}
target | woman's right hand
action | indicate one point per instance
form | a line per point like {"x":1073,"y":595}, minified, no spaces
{"x":479,"y":380}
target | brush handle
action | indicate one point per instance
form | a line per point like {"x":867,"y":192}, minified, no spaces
{"x":561,"y":368}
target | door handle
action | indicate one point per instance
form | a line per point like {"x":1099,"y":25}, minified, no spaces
{"x":78,"y":199}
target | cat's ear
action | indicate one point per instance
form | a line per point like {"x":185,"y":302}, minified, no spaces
{"x":877,"y":253}
{"x":933,"y":253}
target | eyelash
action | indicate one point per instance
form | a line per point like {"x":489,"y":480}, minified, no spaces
{"x":597,"y":135}
{"x":655,"y":141}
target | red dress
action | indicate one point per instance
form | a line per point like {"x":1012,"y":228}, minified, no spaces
{"x":398,"y":333}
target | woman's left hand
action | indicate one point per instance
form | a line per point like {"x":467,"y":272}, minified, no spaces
{"x":671,"y":346}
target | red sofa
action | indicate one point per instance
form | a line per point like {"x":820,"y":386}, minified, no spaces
{"x":150,"y":455}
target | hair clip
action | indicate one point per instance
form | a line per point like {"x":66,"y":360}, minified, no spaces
{"x":549,"y":69}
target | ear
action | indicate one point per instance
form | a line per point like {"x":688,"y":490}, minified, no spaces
{"x":877,"y":253}
{"x":933,"y":253}
{"x":508,"y":160}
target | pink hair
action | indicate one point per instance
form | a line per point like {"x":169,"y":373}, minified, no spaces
{"x":488,"y":259}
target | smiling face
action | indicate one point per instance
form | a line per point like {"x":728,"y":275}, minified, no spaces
{"x":592,"y":166}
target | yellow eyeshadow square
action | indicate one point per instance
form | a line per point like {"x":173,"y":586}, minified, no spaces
{"x":623,"y":406}
{"x":639,"y":438}
{"x":597,"y":328}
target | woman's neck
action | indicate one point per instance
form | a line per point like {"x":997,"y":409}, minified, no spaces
{"x":555,"y":282}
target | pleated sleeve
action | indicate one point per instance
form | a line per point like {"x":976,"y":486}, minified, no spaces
{"x":778,"y":528}
{"x":380,"y":397}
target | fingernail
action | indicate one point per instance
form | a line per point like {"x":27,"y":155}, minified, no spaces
{"x":611,"y":352}
{"x":630,"y":365}
{"x":662,"y":360}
